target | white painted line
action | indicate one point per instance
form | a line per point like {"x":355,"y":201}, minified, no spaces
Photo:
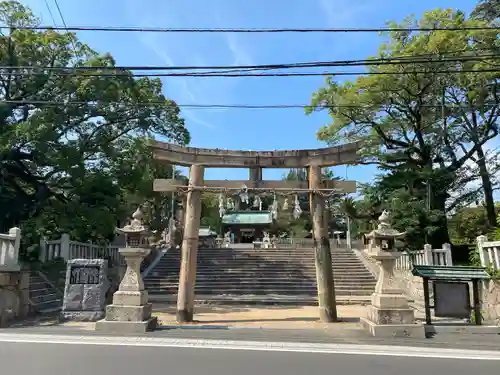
{"x":378,"y":350}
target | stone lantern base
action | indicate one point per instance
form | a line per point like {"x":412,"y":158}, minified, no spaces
{"x":389,"y":314}
{"x":127,"y":319}
{"x":130,"y":311}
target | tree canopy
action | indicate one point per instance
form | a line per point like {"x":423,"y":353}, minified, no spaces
{"x":425,"y":117}
{"x":73,"y":141}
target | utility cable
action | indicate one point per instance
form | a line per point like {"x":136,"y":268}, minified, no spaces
{"x":240,"y":75}
{"x":50,"y":13}
{"x":315,"y":64}
{"x":167,"y":103}
{"x":247,"y":30}
{"x":64,"y":23}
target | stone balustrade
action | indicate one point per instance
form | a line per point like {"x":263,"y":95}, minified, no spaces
{"x":426,"y":257}
{"x":489,"y":252}
{"x":67,"y":249}
{"x":9,"y":250}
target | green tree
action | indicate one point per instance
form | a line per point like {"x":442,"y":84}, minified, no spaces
{"x":487,"y":10}
{"x":468,"y":223}
{"x":403,"y":120}
{"x":65,"y":132}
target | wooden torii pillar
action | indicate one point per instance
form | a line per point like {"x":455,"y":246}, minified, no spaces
{"x":197,"y":159}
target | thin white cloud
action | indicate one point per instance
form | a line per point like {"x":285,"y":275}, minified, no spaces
{"x":191,"y":49}
{"x":342,"y":13}
{"x":241,"y":54}
{"x":185,"y":93}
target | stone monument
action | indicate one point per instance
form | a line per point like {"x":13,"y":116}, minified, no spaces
{"x":389,"y":314}
{"x":130,"y":311}
{"x":85,"y":290}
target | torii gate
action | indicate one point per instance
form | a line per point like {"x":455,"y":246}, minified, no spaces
{"x":199,"y":158}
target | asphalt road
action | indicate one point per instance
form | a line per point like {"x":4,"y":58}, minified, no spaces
{"x":94,"y":359}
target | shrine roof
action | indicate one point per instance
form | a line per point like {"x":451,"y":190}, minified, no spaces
{"x":206,"y":232}
{"x":247,"y":218}
{"x":450,"y":272}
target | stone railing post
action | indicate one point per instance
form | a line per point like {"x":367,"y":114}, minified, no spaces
{"x":428,"y":258}
{"x":65,"y":250}
{"x":447,"y":254}
{"x":480,"y":241}
{"x":43,"y":256}
{"x":16,"y":233}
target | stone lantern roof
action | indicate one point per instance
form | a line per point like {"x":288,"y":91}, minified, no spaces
{"x":384,"y":229}
{"x":136,"y":225}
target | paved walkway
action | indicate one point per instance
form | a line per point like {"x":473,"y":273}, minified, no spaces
{"x":268,"y":317}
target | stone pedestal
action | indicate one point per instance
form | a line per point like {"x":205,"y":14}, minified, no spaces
{"x":389,"y":314}
{"x":130,"y":311}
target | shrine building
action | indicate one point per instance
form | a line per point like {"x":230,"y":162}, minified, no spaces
{"x":247,"y":226}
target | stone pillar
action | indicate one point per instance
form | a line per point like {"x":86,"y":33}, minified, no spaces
{"x":255,"y":174}
{"x":389,"y":314}
{"x":322,"y":253}
{"x":189,"y":251}
{"x":130,"y":311}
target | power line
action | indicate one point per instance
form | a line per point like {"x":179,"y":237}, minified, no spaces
{"x":248,"y":30}
{"x":167,"y":104}
{"x":64,"y":23}
{"x":61,"y":15}
{"x":50,"y":13}
{"x":240,"y":75}
{"x":402,"y":60}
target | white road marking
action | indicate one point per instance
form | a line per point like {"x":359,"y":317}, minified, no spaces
{"x":379,"y":350}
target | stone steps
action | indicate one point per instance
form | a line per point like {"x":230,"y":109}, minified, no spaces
{"x":261,"y":270}
{"x":271,"y":278}
{"x":266,"y":300}
{"x":255,"y":276}
{"x":263,"y":292}
{"x":44,"y":298}
{"x":260,"y":263}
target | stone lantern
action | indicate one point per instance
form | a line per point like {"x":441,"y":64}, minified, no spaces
{"x":130,"y":311}
{"x":389,"y":313}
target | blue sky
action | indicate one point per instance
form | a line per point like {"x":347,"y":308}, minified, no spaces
{"x":256,"y":129}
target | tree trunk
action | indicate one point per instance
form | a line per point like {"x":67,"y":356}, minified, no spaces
{"x":440,"y":236}
{"x":487,"y":188}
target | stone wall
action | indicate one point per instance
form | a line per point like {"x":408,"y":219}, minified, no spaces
{"x":14,"y":296}
{"x":490,"y":299}
{"x":412,"y":286}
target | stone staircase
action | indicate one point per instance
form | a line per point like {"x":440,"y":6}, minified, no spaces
{"x":44,"y":297}
{"x":261,"y":276}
